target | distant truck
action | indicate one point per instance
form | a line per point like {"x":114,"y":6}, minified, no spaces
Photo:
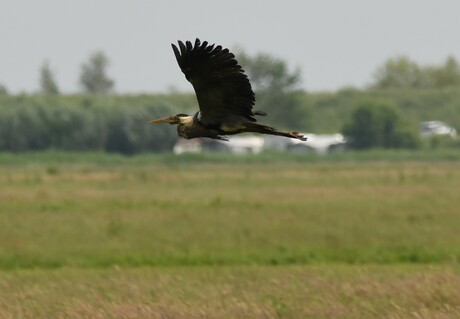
{"x":432,"y":128}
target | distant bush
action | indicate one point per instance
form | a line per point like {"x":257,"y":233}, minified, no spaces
{"x":330,"y":110}
{"x":83,"y":123}
{"x":379,"y":125}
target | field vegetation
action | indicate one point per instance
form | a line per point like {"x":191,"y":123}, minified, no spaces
{"x":106,"y":236}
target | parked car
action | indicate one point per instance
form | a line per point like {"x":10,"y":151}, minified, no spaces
{"x":432,"y":128}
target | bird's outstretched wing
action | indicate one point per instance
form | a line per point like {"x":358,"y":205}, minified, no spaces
{"x":222,"y":89}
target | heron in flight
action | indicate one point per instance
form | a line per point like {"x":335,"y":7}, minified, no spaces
{"x":224,"y":95}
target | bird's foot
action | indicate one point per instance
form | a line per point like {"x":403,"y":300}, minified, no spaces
{"x":298,"y":136}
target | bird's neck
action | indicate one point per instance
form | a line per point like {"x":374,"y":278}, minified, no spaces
{"x":186,"y":120}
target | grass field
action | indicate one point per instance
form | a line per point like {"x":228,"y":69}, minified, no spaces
{"x":95,"y":237}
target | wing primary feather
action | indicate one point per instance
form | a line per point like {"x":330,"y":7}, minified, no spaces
{"x":176,"y":53}
{"x":183,"y":50}
{"x":197,"y":44}
{"x":210,"y":48}
{"x":189,"y":45}
{"x":216,"y":50}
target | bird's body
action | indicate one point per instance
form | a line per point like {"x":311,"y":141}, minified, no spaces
{"x":224,"y":95}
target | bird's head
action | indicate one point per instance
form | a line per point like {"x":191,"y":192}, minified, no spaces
{"x":174,"y":119}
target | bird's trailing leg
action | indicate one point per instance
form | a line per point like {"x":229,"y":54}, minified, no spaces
{"x":297,"y":135}
{"x":264,"y":129}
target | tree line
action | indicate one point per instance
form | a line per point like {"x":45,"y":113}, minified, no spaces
{"x":381,"y":116}
{"x":83,"y":123}
{"x":369,"y":119}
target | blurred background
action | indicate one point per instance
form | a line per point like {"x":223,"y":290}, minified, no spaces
{"x":87,"y":75}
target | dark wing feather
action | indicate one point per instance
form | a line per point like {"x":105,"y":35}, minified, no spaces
{"x":222,"y":89}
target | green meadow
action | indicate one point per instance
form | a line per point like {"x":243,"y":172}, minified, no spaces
{"x":157,"y":236}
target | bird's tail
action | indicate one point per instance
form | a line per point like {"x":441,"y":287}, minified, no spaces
{"x":264,"y":129}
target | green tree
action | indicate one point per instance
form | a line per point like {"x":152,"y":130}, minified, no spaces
{"x":447,"y":74}
{"x":268,"y":73}
{"x":93,"y":77}
{"x":378,"y":125}
{"x":276,"y":87}
{"x":399,"y":72}
{"x":48,"y":84}
{"x":3,"y":90}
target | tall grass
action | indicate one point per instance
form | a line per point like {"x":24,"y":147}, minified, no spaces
{"x":325,"y":291}
{"x":184,"y":213}
{"x":155,"y":236}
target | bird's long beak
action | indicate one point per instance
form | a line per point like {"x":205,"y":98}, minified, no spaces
{"x":168,"y":119}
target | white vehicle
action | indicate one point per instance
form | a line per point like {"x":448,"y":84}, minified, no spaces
{"x":432,"y":128}
{"x":317,"y":143}
{"x":236,"y":144}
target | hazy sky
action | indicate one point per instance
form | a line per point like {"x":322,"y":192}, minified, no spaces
{"x":335,"y":42}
